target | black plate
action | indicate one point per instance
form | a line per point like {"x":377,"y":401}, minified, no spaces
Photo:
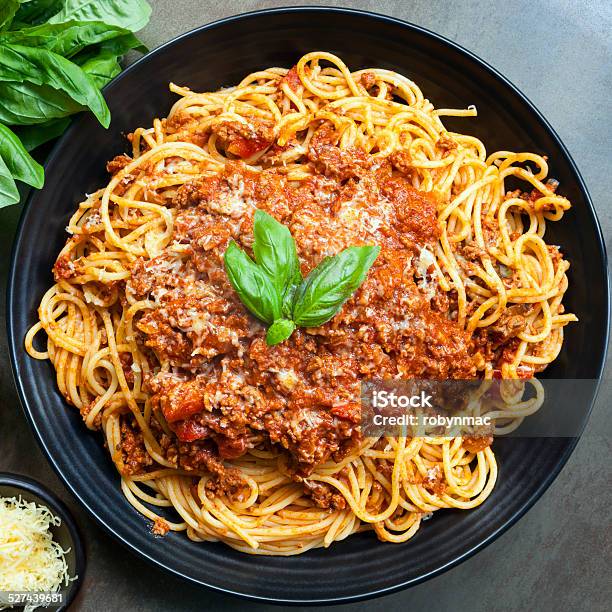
{"x":66,"y":534}
{"x":221,"y":54}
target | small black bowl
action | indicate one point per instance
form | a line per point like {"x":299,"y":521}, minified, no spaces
{"x":67,"y":534}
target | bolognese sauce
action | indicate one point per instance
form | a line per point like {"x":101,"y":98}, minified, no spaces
{"x":224,"y":383}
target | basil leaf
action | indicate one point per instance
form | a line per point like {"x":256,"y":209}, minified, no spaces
{"x":18,"y":160}
{"x":330,"y":284}
{"x":117,"y":46}
{"x":33,"y":136}
{"x":8,"y":8}
{"x":41,"y":67}
{"x":132,"y":15}
{"x":280,"y":330}
{"x":66,"y":39}
{"x":101,"y":62}
{"x":37,"y":11}
{"x":26,"y":103}
{"x":253,"y":286}
{"x":9,"y":193}
{"x":275,"y":251}
{"x":102,"y":69}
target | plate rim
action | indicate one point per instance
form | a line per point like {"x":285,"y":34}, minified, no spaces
{"x":15,"y":344}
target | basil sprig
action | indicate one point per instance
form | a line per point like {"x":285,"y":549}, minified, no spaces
{"x":272,"y":287}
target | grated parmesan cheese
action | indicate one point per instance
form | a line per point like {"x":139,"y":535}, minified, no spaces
{"x":29,"y":558}
{"x":287,"y":378}
{"x":232,"y":202}
{"x":426,"y":260}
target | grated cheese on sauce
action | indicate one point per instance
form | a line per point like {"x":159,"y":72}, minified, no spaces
{"x":232,"y":203}
{"x":30,"y":560}
{"x":424,"y":263}
{"x":287,"y":379}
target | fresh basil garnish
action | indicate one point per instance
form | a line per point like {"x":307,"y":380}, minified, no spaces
{"x":272,"y":288}
{"x":132,"y":15}
{"x":254,"y":287}
{"x":45,"y":68}
{"x":21,"y":166}
{"x":275,"y":251}
{"x":330,"y":284}
{"x":55,"y":56}
{"x":280,"y":330}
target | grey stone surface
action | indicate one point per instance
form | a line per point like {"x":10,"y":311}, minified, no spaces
{"x":558,"y":556}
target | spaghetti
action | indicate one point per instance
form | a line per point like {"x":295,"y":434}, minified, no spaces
{"x":340,"y":155}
